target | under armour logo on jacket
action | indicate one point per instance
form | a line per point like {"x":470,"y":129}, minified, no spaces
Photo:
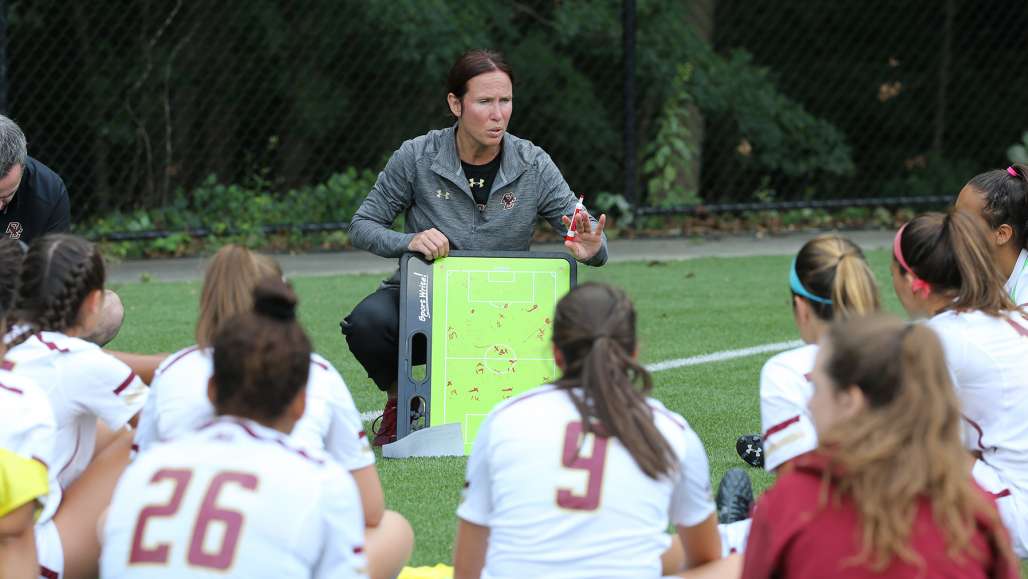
{"x":442,"y":194}
{"x":480,"y":183}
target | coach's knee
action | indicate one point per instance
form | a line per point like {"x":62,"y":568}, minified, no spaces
{"x":371,"y":318}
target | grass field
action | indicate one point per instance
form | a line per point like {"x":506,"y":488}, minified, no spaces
{"x":685,"y":309}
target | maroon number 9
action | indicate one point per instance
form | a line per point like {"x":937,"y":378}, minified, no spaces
{"x":593,"y":464}
{"x":209,"y":511}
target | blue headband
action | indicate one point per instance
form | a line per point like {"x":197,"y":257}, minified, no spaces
{"x":798,"y":289}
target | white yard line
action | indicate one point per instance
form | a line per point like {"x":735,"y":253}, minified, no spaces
{"x":682,"y":362}
{"x":722,"y":356}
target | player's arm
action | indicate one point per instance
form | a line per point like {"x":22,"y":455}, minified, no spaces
{"x":391,"y":195}
{"x":692,"y":508}
{"x":469,"y":550}
{"x":372,"y":497}
{"x":702,"y":542}
{"x":345,"y":439}
{"x":23,"y":481}
{"x":557,"y":202}
{"x":342,"y":528}
{"x":110,"y":389}
{"x":18,"y":544}
{"x":785,"y":424}
{"x":475,"y":509}
{"x":144,"y":365}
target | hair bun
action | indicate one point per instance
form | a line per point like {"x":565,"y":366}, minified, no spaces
{"x":273,"y":298}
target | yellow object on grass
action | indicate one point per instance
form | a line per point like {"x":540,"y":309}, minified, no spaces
{"x":21,"y":480}
{"x":440,"y":571}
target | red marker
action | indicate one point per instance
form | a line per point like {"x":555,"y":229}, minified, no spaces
{"x":573,"y":229}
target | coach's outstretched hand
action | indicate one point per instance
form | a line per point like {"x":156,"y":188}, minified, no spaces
{"x":431,"y":243}
{"x":589,"y":239}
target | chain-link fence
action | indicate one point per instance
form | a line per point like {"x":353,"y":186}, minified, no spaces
{"x":136,"y":103}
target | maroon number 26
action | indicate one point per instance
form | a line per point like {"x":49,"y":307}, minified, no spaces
{"x":209,"y":511}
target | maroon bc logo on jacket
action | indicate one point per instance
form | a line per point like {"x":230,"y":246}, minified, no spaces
{"x":14,"y":230}
{"x":508,"y":200}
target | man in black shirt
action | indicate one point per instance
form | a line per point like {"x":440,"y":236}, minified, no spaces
{"x":33,"y":199}
{"x":34,"y":202}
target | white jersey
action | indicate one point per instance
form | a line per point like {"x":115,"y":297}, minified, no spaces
{"x":1017,"y":285}
{"x":553,"y":508}
{"x":988,"y":359}
{"x":180,"y":405}
{"x":234,"y":499}
{"x":27,"y":429}
{"x":83,"y":384}
{"x":785,"y":420}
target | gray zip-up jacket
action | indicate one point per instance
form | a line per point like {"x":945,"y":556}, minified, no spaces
{"x":424,"y":180}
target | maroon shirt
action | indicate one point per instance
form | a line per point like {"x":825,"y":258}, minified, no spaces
{"x":794,"y":537}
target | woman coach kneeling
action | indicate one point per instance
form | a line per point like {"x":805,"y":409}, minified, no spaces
{"x":472,"y":186}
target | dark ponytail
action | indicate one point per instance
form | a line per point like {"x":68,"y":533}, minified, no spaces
{"x":594,"y":329}
{"x":951,"y":252}
{"x":1005,"y":192}
{"x":58,"y":273}
{"x":261,"y":358}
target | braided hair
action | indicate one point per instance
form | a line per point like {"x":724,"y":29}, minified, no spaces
{"x":594,"y":330}
{"x":58,"y":273}
{"x":11,"y":254}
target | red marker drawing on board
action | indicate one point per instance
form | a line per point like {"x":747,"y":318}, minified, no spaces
{"x":573,"y":228}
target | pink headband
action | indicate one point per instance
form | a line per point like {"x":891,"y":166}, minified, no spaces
{"x":919,"y":286}
{"x":1012,"y":171}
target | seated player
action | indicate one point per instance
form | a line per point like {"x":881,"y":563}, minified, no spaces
{"x":179,"y":403}
{"x":1000,"y":198}
{"x":829,"y":279}
{"x":943,"y":270}
{"x":580,"y":477}
{"x":887,"y":492}
{"x":238,"y":495}
{"x":27,"y":432}
{"x":60,"y":297}
{"x":26,"y":446}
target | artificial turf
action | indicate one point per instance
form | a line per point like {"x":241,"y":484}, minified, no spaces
{"x":684,"y":309}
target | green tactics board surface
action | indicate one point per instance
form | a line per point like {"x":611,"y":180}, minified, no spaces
{"x":491,"y":323}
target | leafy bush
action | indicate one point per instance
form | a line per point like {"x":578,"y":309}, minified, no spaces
{"x":931,"y":174}
{"x":233,"y":213}
{"x":669,"y":153}
{"x":784,"y":136}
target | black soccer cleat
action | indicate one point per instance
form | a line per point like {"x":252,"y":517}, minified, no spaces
{"x":751,"y":449}
{"x":734,"y":496}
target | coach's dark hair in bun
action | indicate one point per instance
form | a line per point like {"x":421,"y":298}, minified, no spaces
{"x":261,"y":358}
{"x":594,"y":329}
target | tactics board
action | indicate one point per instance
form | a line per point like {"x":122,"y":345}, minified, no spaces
{"x":487,"y":319}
